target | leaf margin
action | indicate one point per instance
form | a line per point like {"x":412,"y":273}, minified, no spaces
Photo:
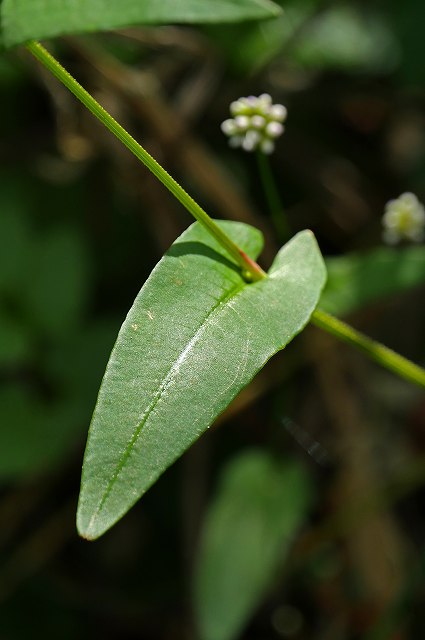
{"x":17,"y":24}
{"x":93,"y":519}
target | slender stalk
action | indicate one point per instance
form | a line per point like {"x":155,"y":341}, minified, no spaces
{"x":274,"y":202}
{"x":376,"y":351}
{"x":251,"y":271}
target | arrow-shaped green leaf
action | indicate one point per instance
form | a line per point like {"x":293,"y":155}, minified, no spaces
{"x":22,"y":20}
{"x":194,"y":337}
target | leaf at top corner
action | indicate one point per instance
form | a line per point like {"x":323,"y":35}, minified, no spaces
{"x":23,"y":20}
{"x":194,"y":337}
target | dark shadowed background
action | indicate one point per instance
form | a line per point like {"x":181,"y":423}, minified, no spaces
{"x":81,"y":226}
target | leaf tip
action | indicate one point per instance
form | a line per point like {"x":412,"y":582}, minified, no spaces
{"x":85,"y":533}
{"x":86,"y":536}
{"x":93,"y":525}
{"x":88,"y":527}
{"x":89,"y":533}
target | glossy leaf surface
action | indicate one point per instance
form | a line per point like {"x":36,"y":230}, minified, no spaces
{"x":357,"y":279}
{"x":194,"y":337}
{"x":23,"y":20}
{"x":248,"y":530}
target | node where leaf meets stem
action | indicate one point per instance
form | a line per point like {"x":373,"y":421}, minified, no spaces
{"x":251,"y":270}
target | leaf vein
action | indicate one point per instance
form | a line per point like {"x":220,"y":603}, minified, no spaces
{"x":162,"y":388}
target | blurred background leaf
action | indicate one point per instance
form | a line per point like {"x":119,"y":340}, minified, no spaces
{"x":318,"y":34}
{"x":248,"y":531}
{"x":354,"y":280}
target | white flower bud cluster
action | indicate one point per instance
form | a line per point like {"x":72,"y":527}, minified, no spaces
{"x":404,"y":219}
{"x":256,"y":123}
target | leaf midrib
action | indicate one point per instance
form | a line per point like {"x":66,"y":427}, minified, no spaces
{"x":162,"y":388}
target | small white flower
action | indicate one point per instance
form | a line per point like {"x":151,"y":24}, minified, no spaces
{"x":267,"y":146}
{"x":242,"y":122}
{"x":229,"y":127}
{"x":251,"y":140}
{"x":404,"y":219}
{"x":264,"y":101}
{"x":278,"y":112}
{"x":274,"y":129}
{"x":256,"y":123}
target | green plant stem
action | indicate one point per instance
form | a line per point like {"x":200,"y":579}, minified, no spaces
{"x":250,"y":270}
{"x":376,"y":351}
{"x":277,"y":211}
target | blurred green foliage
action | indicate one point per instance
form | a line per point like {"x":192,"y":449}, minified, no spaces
{"x":45,"y":288}
{"x":81,"y":228}
{"x":358,"y":279}
{"x":248,"y":530}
